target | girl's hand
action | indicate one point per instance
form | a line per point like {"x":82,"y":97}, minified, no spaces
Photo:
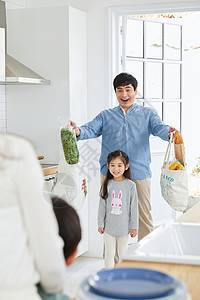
{"x":133,"y":232}
{"x":101,"y":230}
{"x":76,"y":129}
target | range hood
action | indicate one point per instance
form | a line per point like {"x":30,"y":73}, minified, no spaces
{"x":15,"y":71}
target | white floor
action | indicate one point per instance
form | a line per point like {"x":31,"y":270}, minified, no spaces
{"x":78,"y":271}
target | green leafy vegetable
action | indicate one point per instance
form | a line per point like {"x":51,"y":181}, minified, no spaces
{"x":69,"y":146}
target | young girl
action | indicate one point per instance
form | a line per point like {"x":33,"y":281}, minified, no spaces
{"x":118,"y":207}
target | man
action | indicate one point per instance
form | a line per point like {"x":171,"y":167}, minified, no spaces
{"x":128,"y":127}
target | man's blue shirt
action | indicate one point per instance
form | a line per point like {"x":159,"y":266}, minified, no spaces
{"x":128,"y":132}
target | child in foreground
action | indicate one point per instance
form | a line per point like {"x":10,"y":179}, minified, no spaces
{"x":118,"y":207}
{"x":70,"y":232}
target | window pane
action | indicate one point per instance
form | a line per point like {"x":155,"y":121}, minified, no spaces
{"x":134,"y":38}
{"x":157,"y":106}
{"x":172,"y":114}
{"x":154,"y":80}
{"x":172,"y":35}
{"x":154,"y":40}
{"x":172,"y":81}
{"x":135,"y":68}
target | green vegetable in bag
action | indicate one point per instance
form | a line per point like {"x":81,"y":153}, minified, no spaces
{"x":69,"y":146}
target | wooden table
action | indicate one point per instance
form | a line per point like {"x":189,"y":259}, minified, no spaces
{"x":189,"y":274}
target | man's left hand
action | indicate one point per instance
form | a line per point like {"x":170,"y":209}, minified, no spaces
{"x":171,"y":129}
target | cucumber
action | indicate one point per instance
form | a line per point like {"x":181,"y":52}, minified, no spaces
{"x":69,"y":146}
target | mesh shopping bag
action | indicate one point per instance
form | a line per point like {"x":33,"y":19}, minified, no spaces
{"x":70,"y":180}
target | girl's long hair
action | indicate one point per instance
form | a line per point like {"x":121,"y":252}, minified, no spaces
{"x":127,"y":173}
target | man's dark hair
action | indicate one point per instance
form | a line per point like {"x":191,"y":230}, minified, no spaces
{"x":123,"y":79}
{"x":68,"y":223}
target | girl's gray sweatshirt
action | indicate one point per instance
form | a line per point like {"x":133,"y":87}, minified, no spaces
{"x":119,"y":212}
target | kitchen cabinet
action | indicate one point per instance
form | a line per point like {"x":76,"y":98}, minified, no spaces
{"x":60,"y":36}
{"x":78,"y":96}
{"x":55,"y":47}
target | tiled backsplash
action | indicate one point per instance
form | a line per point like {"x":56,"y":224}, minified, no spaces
{"x":3,"y":119}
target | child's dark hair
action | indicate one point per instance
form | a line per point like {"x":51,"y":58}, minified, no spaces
{"x":127,"y":173}
{"x":123,"y":79}
{"x":68,"y":223}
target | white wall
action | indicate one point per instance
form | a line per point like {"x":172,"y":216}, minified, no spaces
{"x":41,"y":105}
{"x":38,"y":37}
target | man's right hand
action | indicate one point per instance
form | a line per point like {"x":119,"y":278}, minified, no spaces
{"x":76,"y":129}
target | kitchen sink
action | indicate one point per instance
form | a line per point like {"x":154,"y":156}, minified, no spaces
{"x":171,"y":243}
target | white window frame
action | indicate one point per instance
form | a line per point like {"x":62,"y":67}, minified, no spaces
{"x":114,"y":14}
{"x":163,"y":62}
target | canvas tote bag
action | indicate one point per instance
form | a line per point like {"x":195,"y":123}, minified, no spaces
{"x":174,"y":183}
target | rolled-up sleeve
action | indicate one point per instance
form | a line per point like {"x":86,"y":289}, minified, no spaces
{"x":92,"y":129}
{"x":158,"y":127}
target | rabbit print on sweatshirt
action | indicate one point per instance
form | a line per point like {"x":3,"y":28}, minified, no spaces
{"x":116,"y":204}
